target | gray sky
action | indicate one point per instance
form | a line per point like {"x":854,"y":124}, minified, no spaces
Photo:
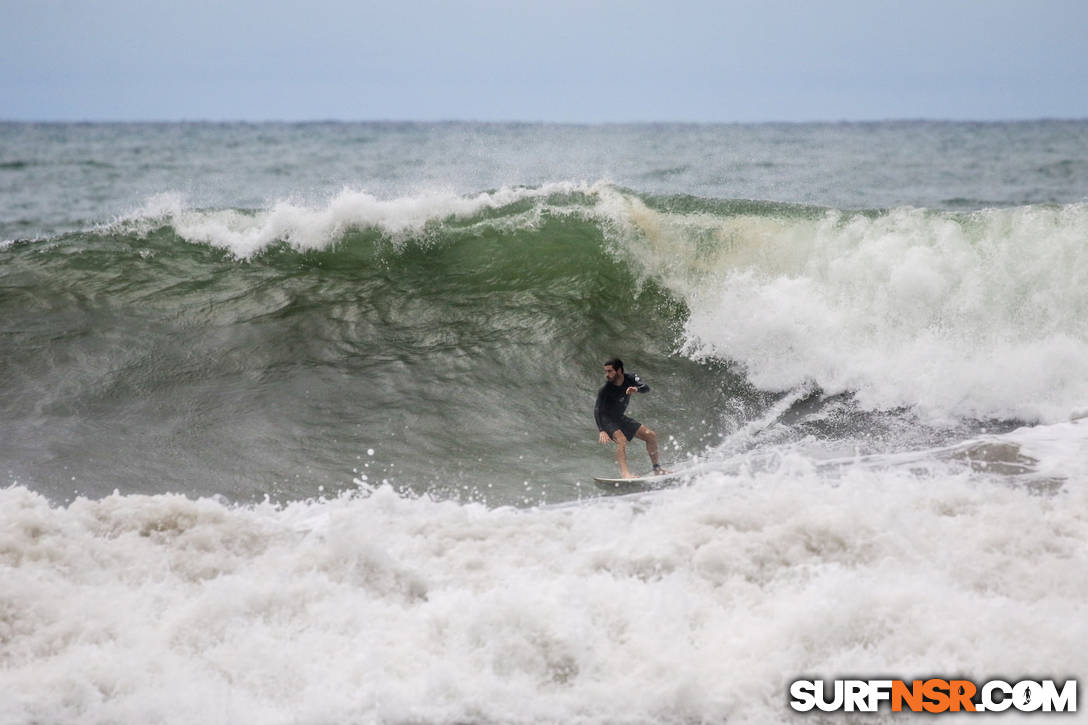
{"x":543,"y":60}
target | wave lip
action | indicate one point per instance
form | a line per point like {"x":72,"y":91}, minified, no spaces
{"x":318,"y":227}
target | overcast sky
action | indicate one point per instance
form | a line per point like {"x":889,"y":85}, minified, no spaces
{"x":537,"y":60}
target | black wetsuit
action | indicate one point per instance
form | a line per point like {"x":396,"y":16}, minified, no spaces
{"x":611,"y":407}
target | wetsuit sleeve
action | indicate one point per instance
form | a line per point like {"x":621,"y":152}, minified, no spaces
{"x":597,"y":410}
{"x":640,"y":384}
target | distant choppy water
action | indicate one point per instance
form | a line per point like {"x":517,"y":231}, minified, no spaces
{"x":870,"y":339}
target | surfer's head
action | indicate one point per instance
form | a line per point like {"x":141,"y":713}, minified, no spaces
{"x":613,"y":370}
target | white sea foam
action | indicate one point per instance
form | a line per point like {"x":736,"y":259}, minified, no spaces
{"x":984,"y":315}
{"x":307,"y":226}
{"x":695,"y":604}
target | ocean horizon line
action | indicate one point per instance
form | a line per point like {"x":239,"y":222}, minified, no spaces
{"x":538,"y":122}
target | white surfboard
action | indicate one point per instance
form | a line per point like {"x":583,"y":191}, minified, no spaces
{"x":640,"y":483}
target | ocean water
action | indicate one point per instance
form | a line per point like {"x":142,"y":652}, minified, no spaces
{"x":296,"y":419}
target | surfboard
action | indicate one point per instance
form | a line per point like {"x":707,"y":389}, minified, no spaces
{"x":641,"y":483}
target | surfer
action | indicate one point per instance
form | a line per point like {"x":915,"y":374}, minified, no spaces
{"x":612,"y":421}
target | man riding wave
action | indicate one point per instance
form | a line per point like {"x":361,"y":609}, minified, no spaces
{"x":613,"y":423}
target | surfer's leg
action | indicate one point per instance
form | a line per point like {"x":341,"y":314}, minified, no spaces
{"x":645,"y":434}
{"x":621,"y":453}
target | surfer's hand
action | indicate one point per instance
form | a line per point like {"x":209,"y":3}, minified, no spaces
{"x":632,"y":390}
{"x":604,"y":437}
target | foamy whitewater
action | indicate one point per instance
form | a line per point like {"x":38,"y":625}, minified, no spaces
{"x":297,"y":419}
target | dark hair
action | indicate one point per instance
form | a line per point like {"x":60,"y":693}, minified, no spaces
{"x":615,"y":363}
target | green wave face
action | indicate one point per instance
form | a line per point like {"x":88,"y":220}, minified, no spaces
{"x":466,"y":355}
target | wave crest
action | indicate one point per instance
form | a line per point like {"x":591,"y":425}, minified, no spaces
{"x":313,"y":227}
